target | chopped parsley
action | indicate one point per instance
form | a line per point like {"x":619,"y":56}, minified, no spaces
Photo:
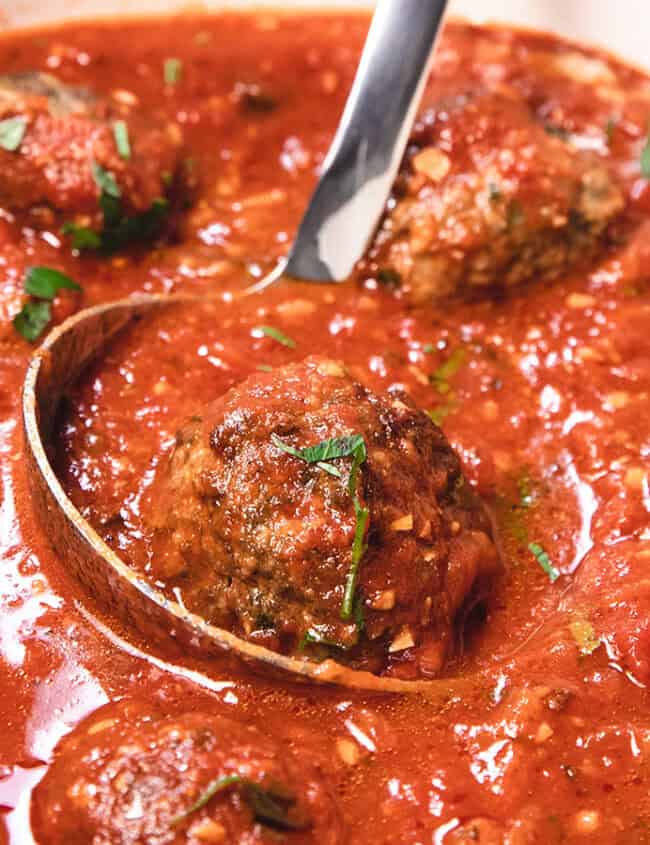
{"x":172,"y":71}
{"x":121,"y":135}
{"x":119,"y":229}
{"x":81,"y":237}
{"x":440,"y":377}
{"x":105,"y":181}
{"x":213,"y":789}
{"x":326,"y":450}
{"x":322,"y":454}
{"x":439,"y":414}
{"x":314,"y":637}
{"x":544,"y":561}
{"x":43,"y":283}
{"x":32,"y":319}
{"x":276,"y":334}
{"x":584,"y":635}
{"x":645,"y":159}
{"x":358,"y":544}
{"x":272,"y":806}
{"x":12,"y":132}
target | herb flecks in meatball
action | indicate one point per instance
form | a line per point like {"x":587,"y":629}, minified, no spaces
{"x":131,"y":773}
{"x":71,"y":155}
{"x":308,"y":513}
{"x":488,"y":198}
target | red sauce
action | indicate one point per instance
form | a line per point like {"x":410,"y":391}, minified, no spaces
{"x":545,"y":407}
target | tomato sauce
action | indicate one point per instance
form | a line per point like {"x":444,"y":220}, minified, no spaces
{"x":542,"y":392}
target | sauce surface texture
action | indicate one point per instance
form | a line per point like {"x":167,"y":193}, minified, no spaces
{"x":543,"y":390}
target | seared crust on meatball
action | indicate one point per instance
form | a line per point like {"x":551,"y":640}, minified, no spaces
{"x":131,"y":775}
{"x":264,"y":542}
{"x":67,"y":134}
{"x":488,"y":198}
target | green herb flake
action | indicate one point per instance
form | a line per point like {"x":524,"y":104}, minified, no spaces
{"x":105,"y":181}
{"x":526,"y":492}
{"x":544,"y":561}
{"x":358,"y":543}
{"x":119,"y":230}
{"x":440,"y":413}
{"x":81,"y":236}
{"x":428,"y":348}
{"x":273,"y":806}
{"x":314,"y":637}
{"x":610,"y":128}
{"x":326,"y":450}
{"x":265,"y":368}
{"x":645,"y":159}
{"x":440,"y":377}
{"x":322,"y":454}
{"x":213,"y":789}
{"x":276,"y":334}
{"x":121,"y":135}
{"x":32,"y":320}
{"x":45,"y":283}
{"x":12,"y":132}
{"x":585,"y":636}
{"x":172,"y":71}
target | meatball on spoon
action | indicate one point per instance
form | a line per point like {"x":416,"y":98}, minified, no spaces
{"x":356,"y":182}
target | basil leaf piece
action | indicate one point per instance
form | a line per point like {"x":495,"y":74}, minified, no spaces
{"x":272,"y":806}
{"x":276,"y":334}
{"x":172,"y":71}
{"x":314,"y":637}
{"x":81,"y":236}
{"x":121,"y":135}
{"x":45,"y":283}
{"x":440,"y":378}
{"x":645,"y":159}
{"x":105,"y":181}
{"x":12,"y":132}
{"x":215,"y":787}
{"x":326,"y":450}
{"x":32,"y":320}
{"x":544,"y":561}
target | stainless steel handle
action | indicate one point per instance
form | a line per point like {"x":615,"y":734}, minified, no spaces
{"x":365,"y":155}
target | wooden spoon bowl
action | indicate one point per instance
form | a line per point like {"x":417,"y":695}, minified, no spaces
{"x":56,"y":365}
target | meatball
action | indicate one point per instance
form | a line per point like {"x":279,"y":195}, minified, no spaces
{"x":304,"y":511}
{"x":131,"y":774}
{"x":66,"y":143}
{"x":487,"y":197}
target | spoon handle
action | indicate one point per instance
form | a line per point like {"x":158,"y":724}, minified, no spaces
{"x":365,"y":155}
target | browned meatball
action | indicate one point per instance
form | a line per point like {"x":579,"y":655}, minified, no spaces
{"x":366,"y":553}
{"x":131,"y":774}
{"x":67,"y":134}
{"x":487,"y":197}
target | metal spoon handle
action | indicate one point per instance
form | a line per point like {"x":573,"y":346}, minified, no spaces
{"x":365,"y":155}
